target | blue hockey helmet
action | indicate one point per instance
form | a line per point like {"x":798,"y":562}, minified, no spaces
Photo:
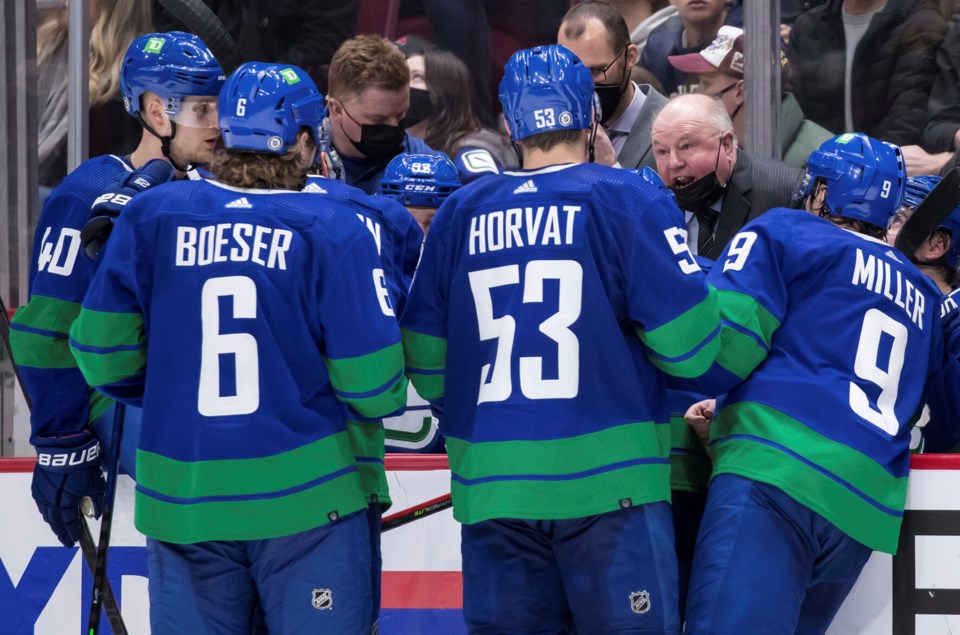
{"x":172,"y":65}
{"x":952,"y":226}
{"x":865,"y":177}
{"x":917,"y":189}
{"x":546,"y":88}
{"x":263,"y":107}
{"x":419,"y":180}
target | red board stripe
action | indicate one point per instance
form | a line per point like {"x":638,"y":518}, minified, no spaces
{"x":426,"y":462}
{"x":422,"y":590}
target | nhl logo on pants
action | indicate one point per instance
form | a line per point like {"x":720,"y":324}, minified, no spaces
{"x":640,"y":602}
{"x":322,"y":599}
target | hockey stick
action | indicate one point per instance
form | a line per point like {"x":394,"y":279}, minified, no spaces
{"x":416,"y":512}
{"x":198,"y":17}
{"x":940,"y":202}
{"x":87,"y":546}
{"x":106,"y":523}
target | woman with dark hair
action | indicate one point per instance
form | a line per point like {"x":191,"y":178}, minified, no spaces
{"x":441,"y":113}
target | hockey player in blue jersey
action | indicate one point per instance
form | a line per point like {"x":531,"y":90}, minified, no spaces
{"x":420,"y":182}
{"x":831,"y":335}
{"x":938,"y":258}
{"x":547,"y":304}
{"x":165,"y":78}
{"x":246,"y":480}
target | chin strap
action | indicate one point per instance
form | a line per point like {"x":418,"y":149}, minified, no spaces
{"x":165,"y":143}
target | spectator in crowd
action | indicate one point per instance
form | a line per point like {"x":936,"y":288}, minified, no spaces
{"x":368,"y":99}
{"x":698,"y":25}
{"x":643,"y":16}
{"x":887,"y":52}
{"x":941,"y":132}
{"x":597,"y":34}
{"x":466,"y":28}
{"x":719,"y":70}
{"x":305,"y":33}
{"x":114,"y":25}
{"x":441,"y":113}
{"x":719,"y":187}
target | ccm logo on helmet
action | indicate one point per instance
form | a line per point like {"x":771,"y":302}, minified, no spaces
{"x":419,"y":188}
{"x":87,"y":455}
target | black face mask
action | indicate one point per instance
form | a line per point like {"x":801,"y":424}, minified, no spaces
{"x":698,"y":195}
{"x":377,"y":140}
{"x":421,"y":107}
{"x":610,"y":97}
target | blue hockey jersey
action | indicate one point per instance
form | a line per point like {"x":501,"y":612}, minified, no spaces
{"x":836,"y":335}
{"x":241,"y":319}
{"x":546,"y":305}
{"x":60,"y":273}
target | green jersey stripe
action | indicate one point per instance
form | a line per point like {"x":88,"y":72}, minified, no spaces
{"x":740,"y":353}
{"x":686,"y":332}
{"x":365,"y":373}
{"x":367,"y":445}
{"x":693,"y":366}
{"x":45,"y":313}
{"x":249,"y":519}
{"x":690,"y":465}
{"x":380,"y":405}
{"x":559,"y":499}
{"x":858,"y":481}
{"x":238,"y":477}
{"x":428,"y":386}
{"x":745,"y":311}
{"x":99,"y":329}
{"x":41,"y":351}
{"x":110,"y":368}
{"x":572,"y":455}
{"x":424,"y":352}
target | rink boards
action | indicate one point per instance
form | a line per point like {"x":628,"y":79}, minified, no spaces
{"x":44,"y":591}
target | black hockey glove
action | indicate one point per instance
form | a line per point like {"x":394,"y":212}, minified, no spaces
{"x":67,"y":471}
{"x":108,"y":205}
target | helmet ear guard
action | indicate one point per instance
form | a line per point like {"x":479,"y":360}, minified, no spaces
{"x":865,"y":178}
{"x":546,"y":89}
{"x":419,"y":180}
{"x":264,"y":106}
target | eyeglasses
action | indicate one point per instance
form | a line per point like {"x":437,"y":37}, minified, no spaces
{"x":724,"y":91}
{"x":600,"y":74}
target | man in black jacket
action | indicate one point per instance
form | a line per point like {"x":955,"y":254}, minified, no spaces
{"x":891,"y":48}
{"x":719,"y":187}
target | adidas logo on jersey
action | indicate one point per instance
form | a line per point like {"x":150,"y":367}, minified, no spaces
{"x":240,"y":203}
{"x":527,"y":187}
{"x":313,"y":187}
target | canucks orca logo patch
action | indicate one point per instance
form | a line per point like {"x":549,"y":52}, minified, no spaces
{"x":640,"y":602}
{"x":322,"y":599}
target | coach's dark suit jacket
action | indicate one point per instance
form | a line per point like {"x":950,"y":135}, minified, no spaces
{"x":636,"y":152}
{"x":757,"y":185}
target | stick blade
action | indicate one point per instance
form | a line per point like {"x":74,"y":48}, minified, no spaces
{"x":930,"y":214}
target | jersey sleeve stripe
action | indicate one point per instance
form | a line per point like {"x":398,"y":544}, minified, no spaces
{"x":741,"y":352}
{"x":383,"y":404}
{"x":106,"y":331}
{"x":426,"y":357}
{"x":745,"y":311}
{"x":46,"y":314}
{"x":695,"y":365}
{"x":686,"y":332}
{"x":112,"y":368}
{"x":366,"y":375}
{"x":41,"y":351}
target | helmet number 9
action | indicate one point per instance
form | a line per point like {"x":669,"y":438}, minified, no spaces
{"x":241,"y":107}
{"x":885,"y":189}
{"x":420,"y":168}
{"x":544,"y":118}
